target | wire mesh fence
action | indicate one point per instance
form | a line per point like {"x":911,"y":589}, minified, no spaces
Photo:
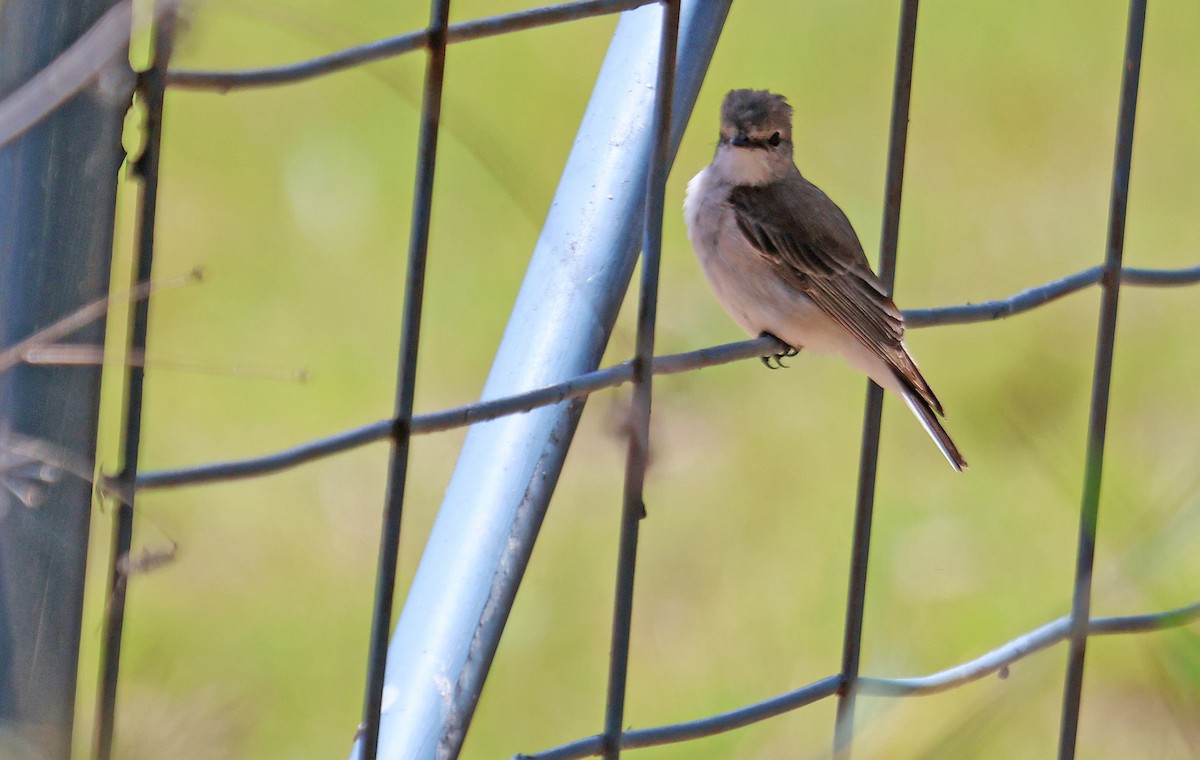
{"x":413,"y":707}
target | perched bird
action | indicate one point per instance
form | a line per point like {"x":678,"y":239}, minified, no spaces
{"x":784,"y":261}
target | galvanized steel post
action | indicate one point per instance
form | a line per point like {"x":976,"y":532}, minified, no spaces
{"x":577,"y":277}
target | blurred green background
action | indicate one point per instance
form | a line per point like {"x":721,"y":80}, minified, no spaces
{"x":296,"y":201}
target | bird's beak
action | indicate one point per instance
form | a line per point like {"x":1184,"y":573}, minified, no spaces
{"x":739,"y":140}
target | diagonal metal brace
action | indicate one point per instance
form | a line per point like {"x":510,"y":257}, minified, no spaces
{"x":577,"y":277}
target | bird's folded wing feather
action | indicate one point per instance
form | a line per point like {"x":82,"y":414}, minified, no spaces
{"x":813,"y":246}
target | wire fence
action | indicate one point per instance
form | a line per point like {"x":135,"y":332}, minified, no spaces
{"x":668,"y":107}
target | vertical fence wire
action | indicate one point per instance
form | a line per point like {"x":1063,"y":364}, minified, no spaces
{"x":633,"y":507}
{"x":151,"y":86}
{"x":414,"y":286}
{"x":1102,"y":379}
{"x":609,"y":744}
{"x":873,"y":414}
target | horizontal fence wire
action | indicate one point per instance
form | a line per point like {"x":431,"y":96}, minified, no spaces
{"x":391,"y":47}
{"x":620,"y":374}
{"x":1076,"y":627}
{"x":994,"y":661}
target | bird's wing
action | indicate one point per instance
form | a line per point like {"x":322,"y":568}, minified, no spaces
{"x":812,"y":245}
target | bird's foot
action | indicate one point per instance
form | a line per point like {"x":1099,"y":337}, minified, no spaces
{"x":778,"y":358}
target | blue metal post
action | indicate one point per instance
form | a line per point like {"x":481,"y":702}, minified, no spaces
{"x":477,"y":552}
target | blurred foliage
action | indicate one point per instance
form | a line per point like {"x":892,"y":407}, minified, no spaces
{"x":296,"y":200}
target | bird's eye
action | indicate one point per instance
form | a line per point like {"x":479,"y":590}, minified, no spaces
{"x":775,"y":140}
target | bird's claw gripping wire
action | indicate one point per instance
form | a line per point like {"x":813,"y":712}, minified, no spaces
{"x":778,"y":358}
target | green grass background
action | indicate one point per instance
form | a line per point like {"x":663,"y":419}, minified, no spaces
{"x":296,"y":203}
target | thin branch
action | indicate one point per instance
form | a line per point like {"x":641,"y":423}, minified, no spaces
{"x":17,"y":352}
{"x":85,"y":61}
{"x":77,"y":354}
{"x":390,"y":47}
{"x":29,"y":466}
{"x":994,"y":661}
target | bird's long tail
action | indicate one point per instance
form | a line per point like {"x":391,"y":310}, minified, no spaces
{"x":928,"y":418}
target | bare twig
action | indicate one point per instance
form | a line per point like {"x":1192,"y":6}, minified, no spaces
{"x":29,"y":466}
{"x":16,"y":353}
{"x":103,"y":45}
{"x":147,"y":560}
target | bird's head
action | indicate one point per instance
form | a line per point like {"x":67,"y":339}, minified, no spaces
{"x":756,"y":137}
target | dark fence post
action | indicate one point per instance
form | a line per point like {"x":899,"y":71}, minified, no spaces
{"x":57,"y":200}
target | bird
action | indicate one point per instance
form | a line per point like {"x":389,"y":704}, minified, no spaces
{"x":784,"y":260}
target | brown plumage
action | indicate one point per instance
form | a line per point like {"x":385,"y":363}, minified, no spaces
{"x":785,"y":260}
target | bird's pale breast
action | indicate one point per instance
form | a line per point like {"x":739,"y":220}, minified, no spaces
{"x":747,"y":285}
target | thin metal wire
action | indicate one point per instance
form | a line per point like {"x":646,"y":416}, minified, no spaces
{"x":478,"y":548}
{"x":1075,"y":627}
{"x":393,"y":46}
{"x":611,"y":377}
{"x":873,"y":414}
{"x":981,"y":667}
{"x":696,"y":729}
{"x":1019,"y":303}
{"x":414,"y":289}
{"x":1037,"y":296}
{"x":152,"y":86}
{"x":633,"y":507}
{"x":1101,"y":380}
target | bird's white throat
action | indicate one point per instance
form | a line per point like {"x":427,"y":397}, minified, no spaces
{"x":746,"y":166}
